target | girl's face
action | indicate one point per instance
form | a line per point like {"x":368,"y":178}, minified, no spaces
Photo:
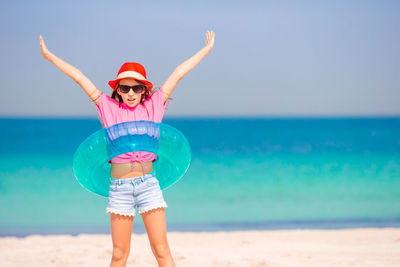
{"x":131,"y":98}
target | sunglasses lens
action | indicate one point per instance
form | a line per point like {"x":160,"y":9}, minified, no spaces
{"x":137,"y":88}
{"x":123,"y":89}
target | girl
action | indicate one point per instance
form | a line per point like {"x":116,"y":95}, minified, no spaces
{"x":132,"y":180}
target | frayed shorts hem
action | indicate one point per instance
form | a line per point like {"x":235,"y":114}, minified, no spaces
{"x":141,"y":211}
{"x":126,"y":213}
{"x":152,"y":207}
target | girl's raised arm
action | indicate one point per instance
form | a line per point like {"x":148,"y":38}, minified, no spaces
{"x":71,"y":71}
{"x":187,"y":66}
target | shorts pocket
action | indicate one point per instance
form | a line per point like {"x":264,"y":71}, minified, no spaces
{"x":152,"y":182}
{"x":114,"y":186}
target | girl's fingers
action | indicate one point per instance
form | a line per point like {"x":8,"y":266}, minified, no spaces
{"x":210,"y":38}
{"x":210,"y":34}
{"x":42,"y":45}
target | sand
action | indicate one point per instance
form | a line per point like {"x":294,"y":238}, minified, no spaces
{"x":347,"y":247}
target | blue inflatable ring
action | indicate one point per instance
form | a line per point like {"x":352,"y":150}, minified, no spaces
{"x":90,"y":161}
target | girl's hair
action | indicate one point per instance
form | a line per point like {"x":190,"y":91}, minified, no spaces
{"x":146,"y":94}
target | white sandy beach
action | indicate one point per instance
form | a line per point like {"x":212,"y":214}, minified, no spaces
{"x":349,"y":247}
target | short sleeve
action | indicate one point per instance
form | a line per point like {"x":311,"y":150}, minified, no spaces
{"x":156,"y":104}
{"x":107,"y":108}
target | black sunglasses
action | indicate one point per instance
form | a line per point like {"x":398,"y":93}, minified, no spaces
{"x":136,"y":88}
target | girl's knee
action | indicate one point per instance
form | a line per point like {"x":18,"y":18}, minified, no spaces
{"x":161,"y":250}
{"x":120,"y":254}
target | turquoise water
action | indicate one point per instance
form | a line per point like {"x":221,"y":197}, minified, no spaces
{"x":245,"y":174}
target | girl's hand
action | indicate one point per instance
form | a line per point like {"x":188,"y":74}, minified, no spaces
{"x":45,"y":53}
{"x":210,"y":39}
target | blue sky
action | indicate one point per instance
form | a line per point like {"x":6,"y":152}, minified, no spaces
{"x":270,"y":58}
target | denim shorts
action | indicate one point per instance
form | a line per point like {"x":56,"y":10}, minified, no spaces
{"x":143,"y":192}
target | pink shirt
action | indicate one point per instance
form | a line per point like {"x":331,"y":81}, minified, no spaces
{"x":112,"y":112}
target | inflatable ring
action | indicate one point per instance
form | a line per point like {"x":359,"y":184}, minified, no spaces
{"x":90,"y":161}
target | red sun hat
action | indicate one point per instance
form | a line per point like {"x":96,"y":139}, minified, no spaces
{"x":131,"y":70}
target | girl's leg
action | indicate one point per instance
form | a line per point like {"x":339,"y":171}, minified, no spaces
{"x":121,"y":231}
{"x":156,"y":227}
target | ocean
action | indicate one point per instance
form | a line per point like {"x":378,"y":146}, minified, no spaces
{"x":245,"y":173}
